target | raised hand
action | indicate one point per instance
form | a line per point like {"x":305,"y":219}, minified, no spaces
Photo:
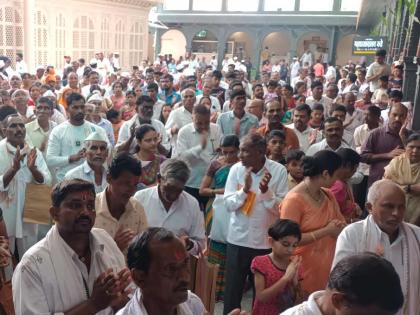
{"x":18,"y":158}
{"x":123,"y":238}
{"x":32,"y":159}
{"x":105,"y":287}
{"x":248,"y":180}
{"x":265,"y":181}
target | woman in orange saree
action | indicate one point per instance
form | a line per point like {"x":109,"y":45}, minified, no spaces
{"x":315,"y":209}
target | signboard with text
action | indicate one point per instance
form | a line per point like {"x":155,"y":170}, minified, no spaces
{"x":368,"y":45}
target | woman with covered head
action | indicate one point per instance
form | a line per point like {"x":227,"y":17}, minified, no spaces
{"x":405,"y":171}
{"x":315,"y":209}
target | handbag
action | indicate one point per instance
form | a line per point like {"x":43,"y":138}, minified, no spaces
{"x":37,"y":204}
{"x":203,"y":280}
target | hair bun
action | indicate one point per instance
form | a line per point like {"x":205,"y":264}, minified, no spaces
{"x":310,"y":166}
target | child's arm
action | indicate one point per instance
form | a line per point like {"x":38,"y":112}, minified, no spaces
{"x":266,"y":294}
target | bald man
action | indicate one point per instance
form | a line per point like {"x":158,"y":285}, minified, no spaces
{"x":383,"y":232}
{"x":256,"y":107}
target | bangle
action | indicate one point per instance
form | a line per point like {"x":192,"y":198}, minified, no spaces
{"x":313,"y":236}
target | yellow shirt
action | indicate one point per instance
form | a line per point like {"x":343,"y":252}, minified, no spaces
{"x":133,"y":217}
{"x":35,"y":135}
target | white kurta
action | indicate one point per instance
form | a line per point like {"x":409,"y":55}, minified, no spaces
{"x":189,"y":148}
{"x":177,"y":118}
{"x":65,"y":140}
{"x":310,"y":307}
{"x":251,"y":230}
{"x":124,"y":133}
{"x":49,"y":278}
{"x":184,"y":218}
{"x":12,"y":198}
{"x":85,"y":172}
{"x":403,"y":253}
{"x":192,"y":306}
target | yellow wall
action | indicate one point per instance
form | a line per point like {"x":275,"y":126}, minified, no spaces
{"x":173,"y":42}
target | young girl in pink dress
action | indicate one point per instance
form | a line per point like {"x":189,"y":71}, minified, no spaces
{"x":277,"y":274}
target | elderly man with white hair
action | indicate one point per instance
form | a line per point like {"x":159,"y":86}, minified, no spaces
{"x":384,"y":232}
{"x":92,"y":169}
{"x":20,"y":99}
{"x":168,"y":205}
{"x":180,"y":117}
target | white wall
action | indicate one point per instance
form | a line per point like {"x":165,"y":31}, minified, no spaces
{"x":173,"y":42}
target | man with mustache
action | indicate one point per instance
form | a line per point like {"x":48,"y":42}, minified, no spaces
{"x":20,"y":164}
{"x":20,"y":99}
{"x":159,"y":265}
{"x":126,"y":136}
{"x":385,"y":233}
{"x":273,"y":113}
{"x":92,"y":169}
{"x":333,"y":133}
{"x":306,"y":134}
{"x":38,"y":131}
{"x":65,"y":145}
{"x":75,"y":269}
{"x":384,"y":143}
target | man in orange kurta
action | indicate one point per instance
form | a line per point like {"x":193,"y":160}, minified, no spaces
{"x":274,"y":113}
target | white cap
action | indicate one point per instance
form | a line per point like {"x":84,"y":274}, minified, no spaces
{"x":116,"y":53}
{"x":49,"y":93}
{"x":125,"y":74}
{"x":96,"y":136}
{"x":235,"y":58}
{"x":95,"y":97}
{"x":40,"y":67}
{"x":93,"y":61}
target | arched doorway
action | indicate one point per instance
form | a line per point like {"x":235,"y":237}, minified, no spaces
{"x":241,"y":45}
{"x":173,"y":42}
{"x":316,"y":42}
{"x":278,"y":44}
{"x":204,"y":45}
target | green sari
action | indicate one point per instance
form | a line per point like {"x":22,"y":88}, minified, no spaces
{"x":219,"y":181}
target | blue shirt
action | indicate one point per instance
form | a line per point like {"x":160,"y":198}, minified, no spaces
{"x":226,"y":121}
{"x":172,"y":98}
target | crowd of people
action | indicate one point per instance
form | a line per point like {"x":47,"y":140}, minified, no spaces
{"x":302,"y":184}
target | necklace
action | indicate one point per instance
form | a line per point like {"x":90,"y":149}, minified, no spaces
{"x":311,"y":195}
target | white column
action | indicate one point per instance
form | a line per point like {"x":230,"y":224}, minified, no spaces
{"x":28,"y":34}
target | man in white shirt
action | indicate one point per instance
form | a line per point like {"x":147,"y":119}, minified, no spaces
{"x":354,"y":116}
{"x":151,"y":258}
{"x":383,"y":232}
{"x":144,"y":116}
{"x":215,"y":104}
{"x":75,"y":269}
{"x":359,"y":285}
{"x":254,"y":188}
{"x":307,"y":58}
{"x":180,"y":117}
{"x":20,"y":165}
{"x":306,"y":135}
{"x":361,"y":133}
{"x":65,"y":145}
{"x":153,"y":90}
{"x":21,"y":66}
{"x":333,"y":133}
{"x":92,"y":170}
{"x":294,"y":68}
{"x":93,"y":80}
{"x":377,"y":69}
{"x":168,"y":205}
{"x":38,"y":130}
{"x":20,"y":99}
{"x":198,"y":144}
{"x":317,"y":98}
